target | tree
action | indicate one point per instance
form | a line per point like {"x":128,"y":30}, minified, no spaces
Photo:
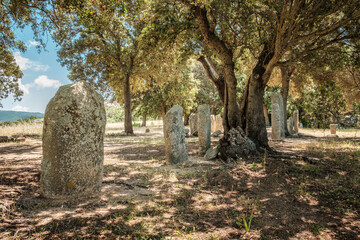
{"x":100,"y":44}
{"x":279,"y":27}
{"x":323,"y":103}
{"x":165,"y":81}
{"x":16,"y":14}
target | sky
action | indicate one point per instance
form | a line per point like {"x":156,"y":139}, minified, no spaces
{"x":42,"y":74}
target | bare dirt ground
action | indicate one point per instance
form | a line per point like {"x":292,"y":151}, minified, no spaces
{"x":308,"y":188}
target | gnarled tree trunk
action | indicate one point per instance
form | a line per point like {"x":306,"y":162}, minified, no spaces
{"x":251,"y":108}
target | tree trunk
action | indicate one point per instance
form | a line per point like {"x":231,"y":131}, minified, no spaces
{"x":143,"y":124}
{"x":127,"y":105}
{"x":231,"y":106}
{"x":286,"y":72}
{"x":251,"y":109}
{"x":186,"y":119}
{"x":285,"y":80}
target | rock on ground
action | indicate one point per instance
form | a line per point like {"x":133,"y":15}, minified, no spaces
{"x":204,"y":128}
{"x":212,"y":153}
{"x":236,"y":144}
{"x":73,"y":148}
{"x":216,"y":133}
{"x":174,"y":134}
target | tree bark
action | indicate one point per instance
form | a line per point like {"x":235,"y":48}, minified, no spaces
{"x":186,"y":119}
{"x":251,"y":108}
{"x":127,"y":105}
{"x":231,"y":107}
{"x":286,"y":72}
{"x":143,"y":124}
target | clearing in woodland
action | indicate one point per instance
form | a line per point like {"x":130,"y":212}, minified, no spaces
{"x":308,"y":188}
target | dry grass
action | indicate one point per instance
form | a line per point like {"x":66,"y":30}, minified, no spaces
{"x":33,"y":129}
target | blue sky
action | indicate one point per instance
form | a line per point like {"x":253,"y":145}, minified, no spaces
{"x":43,"y":75}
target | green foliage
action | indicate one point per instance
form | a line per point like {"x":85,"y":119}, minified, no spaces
{"x":18,"y":14}
{"x":179,"y":88}
{"x":247,"y":225}
{"x":322,"y":104}
{"x":114,"y":113}
{"x":207,"y":93}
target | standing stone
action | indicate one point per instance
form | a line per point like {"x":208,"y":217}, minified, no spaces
{"x":174,"y":133}
{"x":277,"y":99}
{"x":193,"y":124}
{"x":219,"y":123}
{"x":296,"y":121}
{"x":332,"y":128}
{"x":276,"y":123}
{"x":73,"y":143}
{"x":204,"y":128}
{"x":213,"y":123}
{"x":291,"y":125}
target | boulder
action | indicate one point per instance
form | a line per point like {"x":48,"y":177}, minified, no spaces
{"x":216,"y":133}
{"x":73,"y":148}
{"x":236,"y":144}
{"x":174,"y":134}
{"x":277,"y":128}
{"x":204,"y":128}
{"x":212,"y":153}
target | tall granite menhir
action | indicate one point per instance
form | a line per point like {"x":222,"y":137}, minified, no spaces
{"x":276,"y":123}
{"x":204,"y":128}
{"x":174,"y":134}
{"x":277,"y":99}
{"x":73,"y":148}
{"x":193,"y":124}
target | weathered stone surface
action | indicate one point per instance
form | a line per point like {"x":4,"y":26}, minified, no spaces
{"x":174,"y":133}
{"x":213,"y":123}
{"x":276,"y":123}
{"x":219,"y":123}
{"x":216,"y":133}
{"x":193,"y":124}
{"x":332,"y":128}
{"x":236,"y":144}
{"x":291,"y":125}
{"x":296,"y":121}
{"x":277,"y":99}
{"x":211,"y":153}
{"x":73,"y":148}
{"x":204,"y":128}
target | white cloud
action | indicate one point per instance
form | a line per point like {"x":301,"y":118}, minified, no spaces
{"x":26,"y":63}
{"x":20,"y":108}
{"x":45,"y":82}
{"x":25,"y":88}
{"x":32,"y":44}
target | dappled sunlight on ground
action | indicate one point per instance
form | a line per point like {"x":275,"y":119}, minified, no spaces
{"x":308,"y":188}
